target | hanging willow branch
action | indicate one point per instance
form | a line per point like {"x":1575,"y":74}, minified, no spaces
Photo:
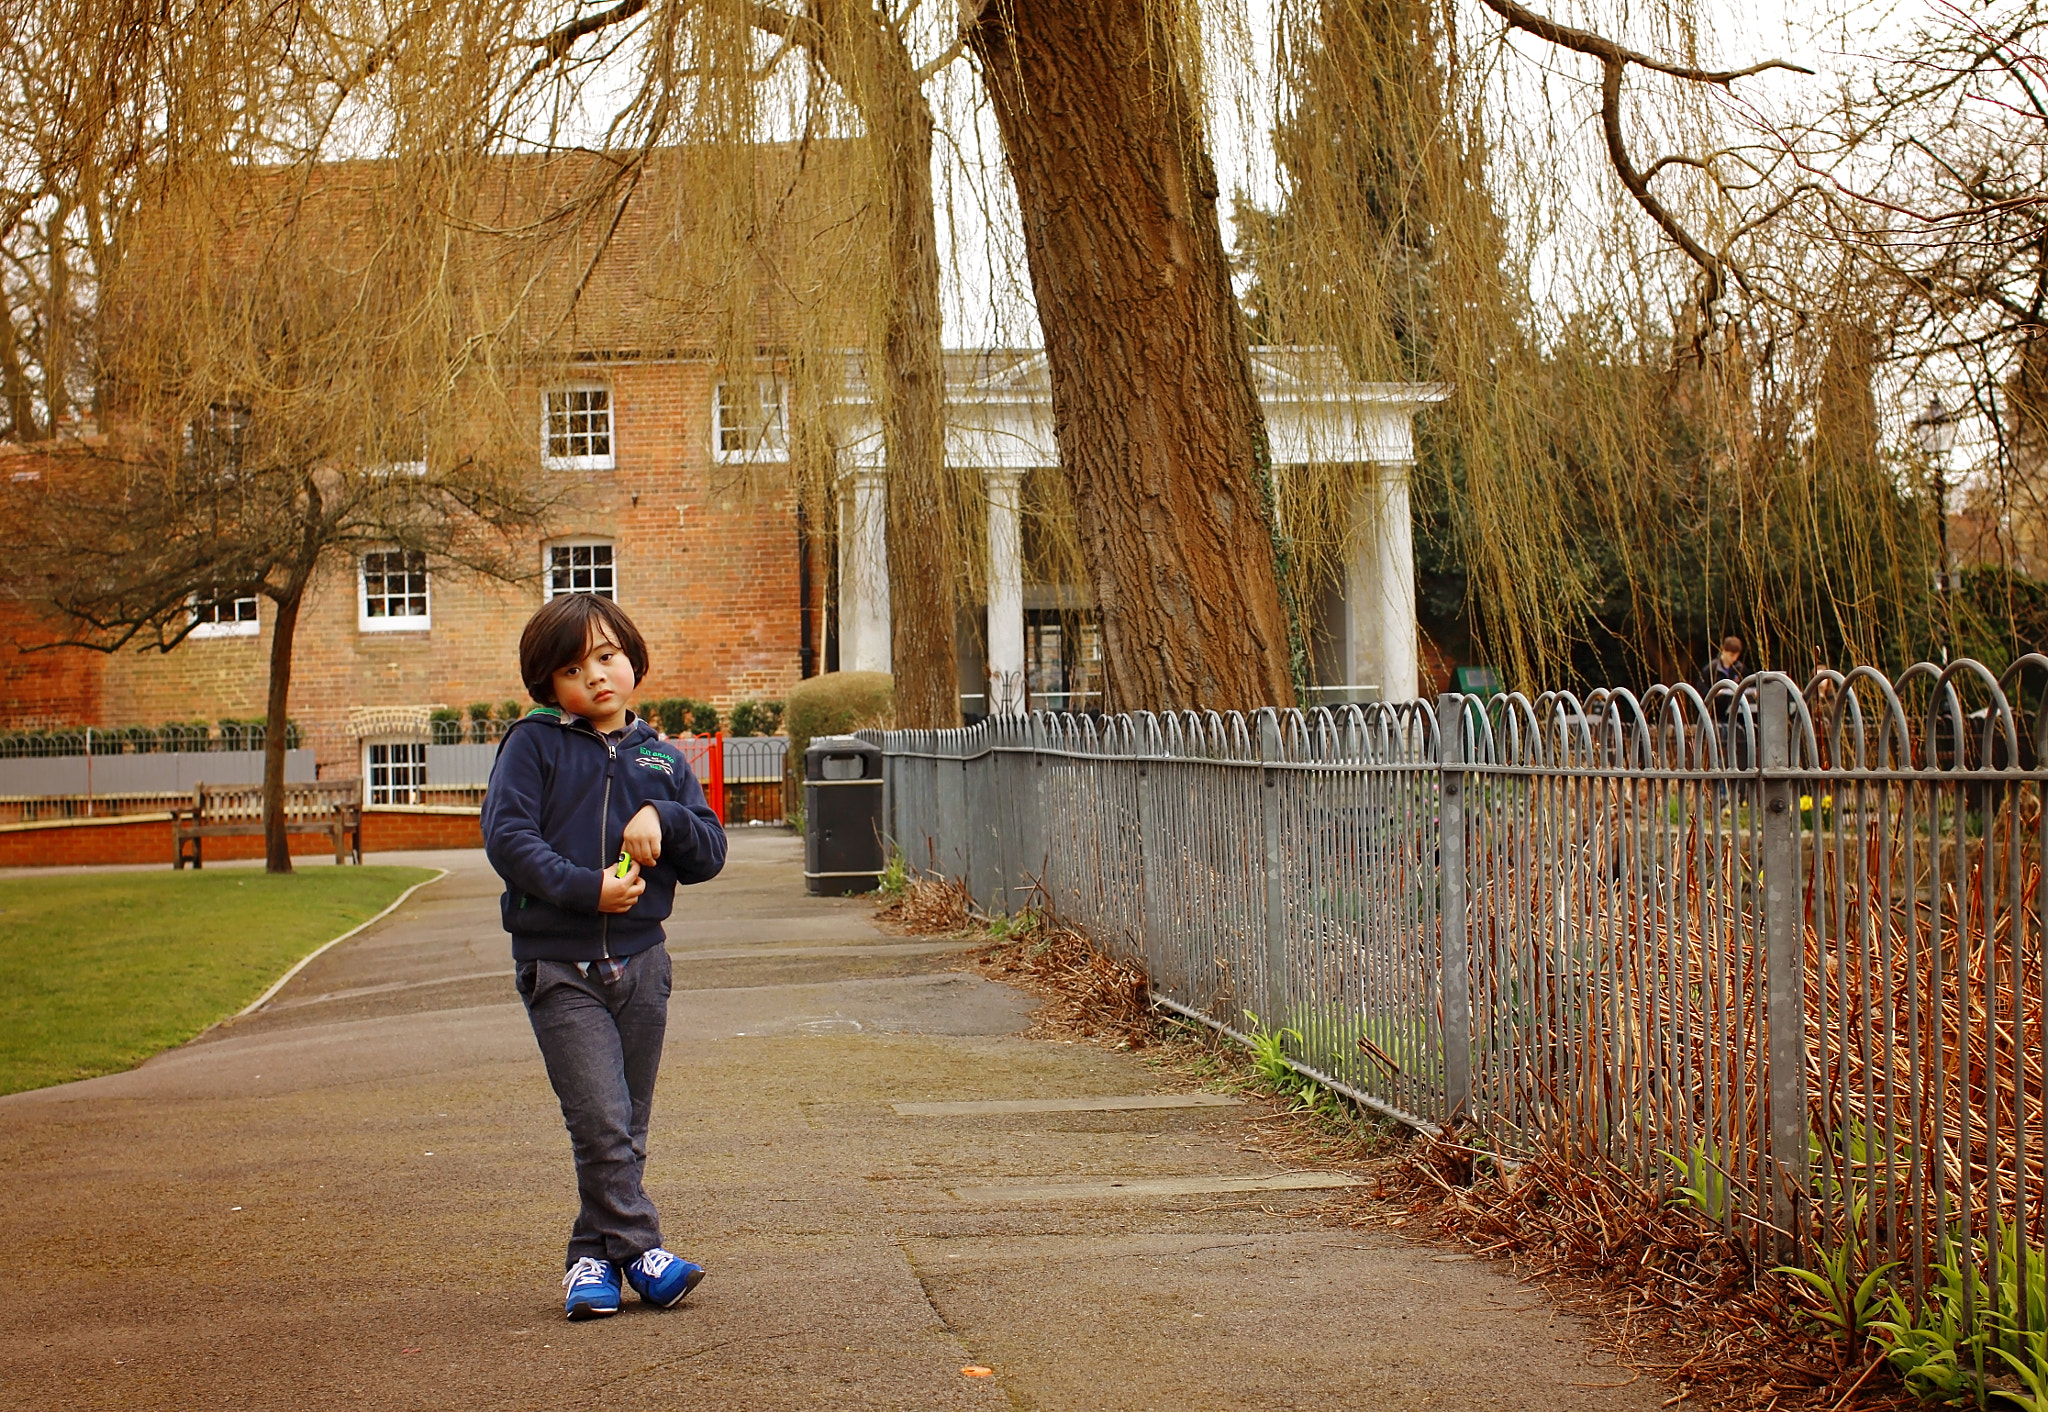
{"x":1615,"y":59}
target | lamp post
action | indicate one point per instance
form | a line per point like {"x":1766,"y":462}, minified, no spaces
{"x":1934,"y":432}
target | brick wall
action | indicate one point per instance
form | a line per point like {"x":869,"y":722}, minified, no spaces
{"x":59,"y":686}
{"x":707,"y":565}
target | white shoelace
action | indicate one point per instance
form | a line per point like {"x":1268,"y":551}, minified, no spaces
{"x":654,"y":1262}
{"x":588,"y":1268}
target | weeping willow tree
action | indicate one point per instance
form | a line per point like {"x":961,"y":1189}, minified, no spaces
{"x":278,"y":399}
{"x":323,"y":311}
{"x":1656,"y":437}
{"x":843,"y":83}
{"x":1405,"y":240}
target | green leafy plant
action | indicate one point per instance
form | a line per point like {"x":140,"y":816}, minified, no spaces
{"x":1948,"y":1349}
{"x":1848,"y":1299}
{"x":1270,"y":1063}
{"x":1702,"y":1184}
{"x":894,"y":877}
{"x":756,"y":718}
{"x":671,"y":714}
{"x":703,"y":718}
{"x":444,"y":726}
{"x":1269,"y":1054}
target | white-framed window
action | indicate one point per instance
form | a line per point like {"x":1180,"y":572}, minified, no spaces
{"x":582,"y":566}
{"x":392,"y":595}
{"x":217,"y":440}
{"x":576,"y":428}
{"x":750,"y":420}
{"x":395,"y":769}
{"x":224,"y":616}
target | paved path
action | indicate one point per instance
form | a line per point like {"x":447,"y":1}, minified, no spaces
{"x":358,"y":1197}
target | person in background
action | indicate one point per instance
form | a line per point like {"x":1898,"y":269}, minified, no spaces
{"x":1726,"y":666}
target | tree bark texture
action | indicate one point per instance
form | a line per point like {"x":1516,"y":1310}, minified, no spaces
{"x":871,"y":65}
{"x":1155,"y":410}
{"x":277,"y":844}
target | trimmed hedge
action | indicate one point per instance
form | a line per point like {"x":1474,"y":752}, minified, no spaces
{"x":837,"y":703}
{"x":751,"y":718}
{"x":175,"y":736}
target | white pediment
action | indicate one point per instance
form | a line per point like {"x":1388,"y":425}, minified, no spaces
{"x":999,"y":411}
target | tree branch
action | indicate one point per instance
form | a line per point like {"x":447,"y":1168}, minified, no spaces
{"x":1639,"y":187}
{"x":558,"y":42}
{"x":1614,"y":59}
{"x":800,"y":29}
{"x":1584,"y":41}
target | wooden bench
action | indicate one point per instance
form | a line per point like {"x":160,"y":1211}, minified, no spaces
{"x":236,"y":810}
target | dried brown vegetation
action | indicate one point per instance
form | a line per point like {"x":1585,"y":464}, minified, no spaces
{"x":1673,"y":1298}
{"x":929,"y":907}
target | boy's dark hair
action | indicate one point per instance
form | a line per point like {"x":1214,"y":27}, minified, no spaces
{"x":560,"y":634}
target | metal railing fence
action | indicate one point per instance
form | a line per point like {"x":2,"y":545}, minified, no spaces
{"x":179,"y":738}
{"x":1779,"y":948}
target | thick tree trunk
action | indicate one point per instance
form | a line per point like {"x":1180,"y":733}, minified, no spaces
{"x":57,"y":318}
{"x":869,"y":62}
{"x":1154,"y":407}
{"x":923,"y":539}
{"x":277,"y":849}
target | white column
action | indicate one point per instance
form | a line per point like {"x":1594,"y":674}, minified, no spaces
{"x":1005,"y":593}
{"x":1379,"y":587}
{"x":864,"y":572}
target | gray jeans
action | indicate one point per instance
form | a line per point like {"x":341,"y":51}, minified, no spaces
{"x":602,"y":1044}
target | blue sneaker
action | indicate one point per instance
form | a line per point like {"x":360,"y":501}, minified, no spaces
{"x":662,"y":1279}
{"x":593,"y":1286}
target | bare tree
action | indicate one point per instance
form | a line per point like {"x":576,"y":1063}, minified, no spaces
{"x":275,"y":408}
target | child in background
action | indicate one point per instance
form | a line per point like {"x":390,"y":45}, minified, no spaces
{"x":592,"y":822}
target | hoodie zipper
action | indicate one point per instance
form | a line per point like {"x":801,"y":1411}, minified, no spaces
{"x":604,"y":828}
{"x":604,"y":822}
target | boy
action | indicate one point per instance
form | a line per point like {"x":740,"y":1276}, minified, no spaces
{"x":592,"y":822}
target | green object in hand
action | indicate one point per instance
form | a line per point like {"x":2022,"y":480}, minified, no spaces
{"x":625,"y":862}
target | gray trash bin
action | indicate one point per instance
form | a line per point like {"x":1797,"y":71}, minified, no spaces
{"x":842,"y":816}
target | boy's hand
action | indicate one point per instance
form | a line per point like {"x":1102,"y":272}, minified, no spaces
{"x":643,"y":836}
{"x":620,"y":893}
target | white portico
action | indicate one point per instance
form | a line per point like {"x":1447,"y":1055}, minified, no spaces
{"x":999,"y":420}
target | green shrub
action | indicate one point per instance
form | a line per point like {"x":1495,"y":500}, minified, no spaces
{"x":445,"y":725}
{"x":671,"y":714}
{"x":837,"y":703}
{"x":182,"y":735}
{"x":703,"y":718}
{"x":247,"y":733}
{"x":510,"y":711}
{"x":479,"y":713}
{"x":756,"y":718}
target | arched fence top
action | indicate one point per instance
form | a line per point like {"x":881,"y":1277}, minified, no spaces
{"x":1957,"y":716}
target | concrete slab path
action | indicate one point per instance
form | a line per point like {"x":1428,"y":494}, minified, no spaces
{"x":357,"y":1197}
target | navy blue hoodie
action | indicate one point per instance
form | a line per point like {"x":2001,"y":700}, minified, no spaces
{"x":561,"y":795}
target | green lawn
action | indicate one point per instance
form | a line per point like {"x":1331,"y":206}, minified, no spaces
{"x":98,"y":972}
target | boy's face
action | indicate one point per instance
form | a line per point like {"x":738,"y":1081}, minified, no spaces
{"x":596,"y":686}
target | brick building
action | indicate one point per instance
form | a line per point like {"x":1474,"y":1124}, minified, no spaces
{"x":685,"y":509}
{"x":679,"y":505}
